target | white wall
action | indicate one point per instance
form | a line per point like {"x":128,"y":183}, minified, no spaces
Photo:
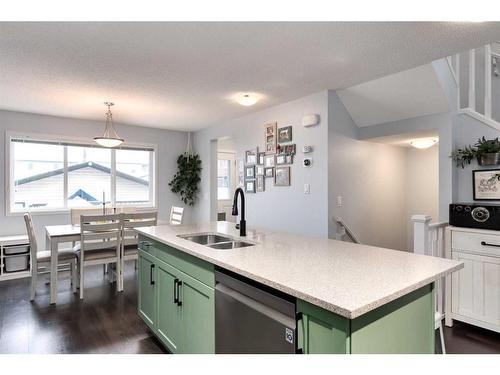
{"x":370,"y":178}
{"x":422,"y":186}
{"x":170,"y":145}
{"x":281,"y":208}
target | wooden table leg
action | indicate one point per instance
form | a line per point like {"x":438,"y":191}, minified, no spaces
{"x":53,"y":269}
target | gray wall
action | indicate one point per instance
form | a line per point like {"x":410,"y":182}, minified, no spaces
{"x":368,"y":176}
{"x":170,"y":145}
{"x":281,"y":208}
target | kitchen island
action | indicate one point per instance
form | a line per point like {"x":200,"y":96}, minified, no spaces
{"x":350,"y":298}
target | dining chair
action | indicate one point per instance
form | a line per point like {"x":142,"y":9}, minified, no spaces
{"x":176,"y":215}
{"x":129,"y":246}
{"x":99,"y":244}
{"x":76,"y":213}
{"x":43,"y":257}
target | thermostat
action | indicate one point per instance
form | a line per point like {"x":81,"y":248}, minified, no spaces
{"x":307,"y":149}
{"x":310,"y":120}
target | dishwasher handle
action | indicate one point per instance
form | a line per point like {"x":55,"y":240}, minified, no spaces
{"x":257,"y":306}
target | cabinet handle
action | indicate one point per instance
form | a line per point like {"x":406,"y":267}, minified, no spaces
{"x":179,"y":302}
{"x":151,"y":280}
{"x":176,"y":298}
{"x":144,"y":245}
{"x":298,"y":317}
{"x":489,"y":244}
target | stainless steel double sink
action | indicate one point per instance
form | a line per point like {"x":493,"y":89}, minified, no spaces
{"x":216,"y":241}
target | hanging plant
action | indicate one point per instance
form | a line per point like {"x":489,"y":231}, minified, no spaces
{"x":486,"y":151}
{"x":187,"y":178}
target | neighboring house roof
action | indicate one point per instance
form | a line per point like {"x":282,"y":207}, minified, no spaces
{"x":86,"y":184}
{"x":75,"y":167}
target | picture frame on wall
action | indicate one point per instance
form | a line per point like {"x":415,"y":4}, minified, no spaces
{"x":269,"y":172}
{"x":285,"y":134}
{"x":259,"y":170}
{"x":249,"y":186}
{"x":269,"y":161}
{"x":261,"y":158}
{"x":283,"y":159}
{"x":259,"y":182}
{"x":485,"y":185}
{"x":249,"y":172}
{"x":270,"y":138}
{"x":282,"y":176}
{"x":251,"y":156}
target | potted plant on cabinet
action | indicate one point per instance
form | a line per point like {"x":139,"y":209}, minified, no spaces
{"x":486,"y":151}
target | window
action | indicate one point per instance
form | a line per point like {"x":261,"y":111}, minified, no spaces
{"x":53,"y":175}
{"x":223,"y":179}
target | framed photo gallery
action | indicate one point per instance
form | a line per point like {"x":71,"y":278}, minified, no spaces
{"x":272,"y":163}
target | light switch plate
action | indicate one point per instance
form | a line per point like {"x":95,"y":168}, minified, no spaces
{"x":307,"y":189}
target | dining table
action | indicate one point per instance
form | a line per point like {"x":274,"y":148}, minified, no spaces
{"x":55,"y":235}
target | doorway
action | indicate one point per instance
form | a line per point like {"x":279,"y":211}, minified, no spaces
{"x":226,"y":178}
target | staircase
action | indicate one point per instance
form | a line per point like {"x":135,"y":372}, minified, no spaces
{"x":477,"y":74}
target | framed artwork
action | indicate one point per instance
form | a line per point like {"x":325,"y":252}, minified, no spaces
{"x":260,"y":160}
{"x":249,"y":186}
{"x":288,"y":149}
{"x":270,"y":138}
{"x":269,"y":161}
{"x":241,"y":172}
{"x":485,"y":184}
{"x":249,"y":171}
{"x":269,"y":172}
{"x":283,"y":159}
{"x":251,"y":156}
{"x":282,"y":176}
{"x":259,"y":170}
{"x":285,"y":134}
{"x":259,"y":183}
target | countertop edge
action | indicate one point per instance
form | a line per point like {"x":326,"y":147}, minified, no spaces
{"x":342,"y":311}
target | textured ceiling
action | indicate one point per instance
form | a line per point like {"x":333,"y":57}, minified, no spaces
{"x":184,"y":75}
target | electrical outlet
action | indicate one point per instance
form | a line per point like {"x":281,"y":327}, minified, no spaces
{"x":307,"y":189}
{"x":339,"y":201}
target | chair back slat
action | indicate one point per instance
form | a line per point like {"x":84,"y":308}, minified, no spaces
{"x":75,"y":213}
{"x":136,"y":220}
{"x":176,"y":215}
{"x":100,"y":232}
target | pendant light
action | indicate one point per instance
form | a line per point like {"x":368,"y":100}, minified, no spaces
{"x":110,"y":137}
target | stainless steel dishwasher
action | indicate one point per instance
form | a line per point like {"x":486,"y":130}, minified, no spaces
{"x":250,"y":318}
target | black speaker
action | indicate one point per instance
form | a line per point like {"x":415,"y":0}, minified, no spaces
{"x":470,"y":215}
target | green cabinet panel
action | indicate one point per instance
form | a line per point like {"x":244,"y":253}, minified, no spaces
{"x":192,"y":266}
{"x":147,"y":289}
{"x":403,"y":326}
{"x":198,"y":316}
{"x":169,"y":313}
{"x":320,"y":331}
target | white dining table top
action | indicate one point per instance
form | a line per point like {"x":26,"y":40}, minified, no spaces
{"x":62,"y":230}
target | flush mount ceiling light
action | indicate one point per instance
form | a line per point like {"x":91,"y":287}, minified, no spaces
{"x":423,"y":143}
{"x":110,"y":137}
{"x":247,"y":99}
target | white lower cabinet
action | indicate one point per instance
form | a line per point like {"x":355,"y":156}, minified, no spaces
{"x":475,"y":289}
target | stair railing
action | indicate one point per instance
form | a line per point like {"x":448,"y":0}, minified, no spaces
{"x":346,"y":229}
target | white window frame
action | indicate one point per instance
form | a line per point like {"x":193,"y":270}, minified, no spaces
{"x":9,"y":169}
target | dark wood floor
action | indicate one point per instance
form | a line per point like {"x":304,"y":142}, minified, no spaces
{"x":107,"y":322}
{"x":104,"y":322}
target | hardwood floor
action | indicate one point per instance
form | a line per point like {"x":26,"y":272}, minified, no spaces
{"x":107,"y":322}
{"x":104,"y":322}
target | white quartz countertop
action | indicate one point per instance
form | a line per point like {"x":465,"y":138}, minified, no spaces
{"x":345,"y":278}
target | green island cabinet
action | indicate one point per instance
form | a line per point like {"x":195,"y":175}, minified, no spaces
{"x":176,"y":298}
{"x":176,"y":301}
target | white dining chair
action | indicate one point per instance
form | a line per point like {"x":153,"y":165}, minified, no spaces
{"x":100,"y":243}
{"x":129,"y":246}
{"x":42,"y":258}
{"x":176,"y":215}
